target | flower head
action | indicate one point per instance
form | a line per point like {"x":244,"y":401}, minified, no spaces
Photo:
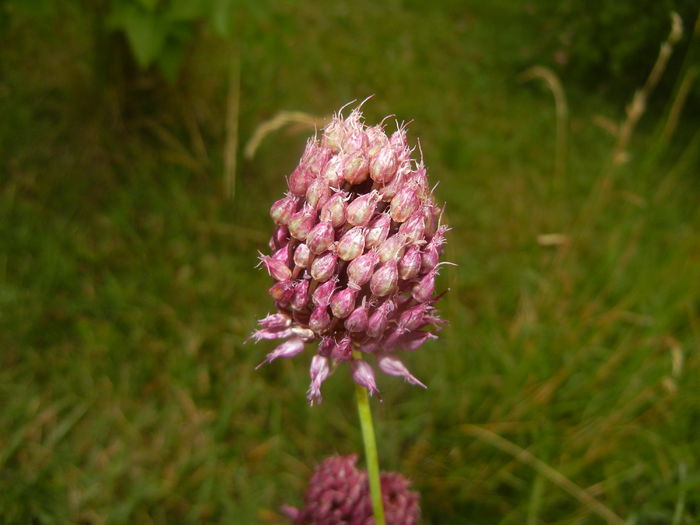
{"x":338,"y":494}
{"x":355,"y":253}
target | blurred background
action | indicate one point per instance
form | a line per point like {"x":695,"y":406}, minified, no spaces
{"x":139,"y":160}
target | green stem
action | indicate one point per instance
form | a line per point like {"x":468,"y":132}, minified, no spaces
{"x":370,"y":450}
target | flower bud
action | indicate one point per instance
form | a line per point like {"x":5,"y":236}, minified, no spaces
{"x":324,"y":266}
{"x":378,"y":230}
{"x":394,"y":367}
{"x":278,"y":270}
{"x":300,"y":180}
{"x":414,"y":318}
{"x":430,"y":258}
{"x":282,"y":210}
{"x":280,"y":237}
{"x":333,"y":173}
{"x":282,"y":291}
{"x":360,"y":269}
{"x":320,"y":319}
{"x":343,"y":303}
{"x":301,"y":295}
{"x":320,"y":237}
{"x":342,"y":351}
{"x":289,"y":348}
{"x":382,"y":166}
{"x":355,"y":141}
{"x":334,"y":134}
{"x":276,"y":321}
{"x":318,"y":193}
{"x":325,"y":346}
{"x":301,"y":223}
{"x":423,"y":290}
{"x":392,"y":249}
{"x":410,"y":264}
{"x":318,"y":371}
{"x":404,"y":203}
{"x":322,"y":294}
{"x":388,"y":191}
{"x":351,"y":244}
{"x":356,"y":169}
{"x":282,"y":255}
{"x":385,"y":279}
{"x":360,"y":211}
{"x":414,"y":227}
{"x":357,"y":320}
{"x":317,"y":159}
{"x":363,"y":375}
{"x":379,"y":319}
{"x":302,"y":256}
{"x":333,"y":210}
{"x":376,"y":139}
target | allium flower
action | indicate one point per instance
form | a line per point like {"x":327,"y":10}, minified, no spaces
{"x":338,"y":494}
{"x":355,"y":253}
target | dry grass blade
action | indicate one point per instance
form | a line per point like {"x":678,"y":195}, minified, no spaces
{"x":232,"y":113}
{"x":545,"y":470}
{"x":281,"y":119}
{"x":562,"y":113}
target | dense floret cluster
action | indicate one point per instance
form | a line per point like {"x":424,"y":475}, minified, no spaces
{"x":354,"y":254}
{"x":338,"y":494}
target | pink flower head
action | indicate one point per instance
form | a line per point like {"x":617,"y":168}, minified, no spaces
{"x":338,"y":494}
{"x":355,"y":252}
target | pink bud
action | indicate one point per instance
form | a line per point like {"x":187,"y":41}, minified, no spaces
{"x":318,"y":371}
{"x":379,"y":319}
{"x":324,"y":266}
{"x":404,"y":203}
{"x":410,"y":264}
{"x":315,"y":158}
{"x":276,"y":268}
{"x":430,"y":258}
{"x":302,"y":256}
{"x":282,"y":210}
{"x":394,"y":367}
{"x":378,"y":230}
{"x":392,"y":249}
{"x":282,"y":292}
{"x":414,"y":227}
{"x":413,"y":318}
{"x":301,"y":295}
{"x":419,"y":179}
{"x":360,"y":211}
{"x":333,"y":210}
{"x":343,"y":303}
{"x":355,"y":141}
{"x":360,"y":270}
{"x":333,"y":173}
{"x":280,"y":237}
{"x":399,"y":142}
{"x":351,"y":244}
{"x":334,"y":134}
{"x":357,"y":320}
{"x":322,"y":294}
{"x":376,"y":139}
{"x":320,"y":319}
{"x":275,"y":321}
{"x":301,"y":222}
{"x":431,"y":214}
{"x":289,"y":348}
{"x":423,"y":289}
{"x":355,"y":168}
{"x":267,"y":333}
{"x":318,"y":193}
{"x":382,"y":166}
{"x":385,"y":279}
{"x":363,"y":375}
{"x":342,"y":351}
{"x":320,"y":237}
{"x":282,"y":255}
{"x":388,"y":191}
{"x":326,"y":345}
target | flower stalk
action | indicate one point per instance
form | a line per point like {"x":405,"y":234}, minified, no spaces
{"x":365,"y":414}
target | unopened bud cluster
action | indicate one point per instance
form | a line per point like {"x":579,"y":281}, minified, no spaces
{"x":354,"y":254}
{"x":338,"y":494}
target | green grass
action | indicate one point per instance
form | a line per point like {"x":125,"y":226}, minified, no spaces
{"x":127,"y":287}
